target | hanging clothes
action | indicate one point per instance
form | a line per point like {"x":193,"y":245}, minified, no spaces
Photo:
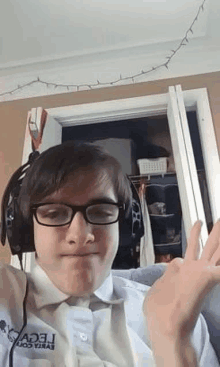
{"x":147,"y":256}
{"x":165,"y":216}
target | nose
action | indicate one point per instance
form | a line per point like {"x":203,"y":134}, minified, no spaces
{"x":80,"y":231}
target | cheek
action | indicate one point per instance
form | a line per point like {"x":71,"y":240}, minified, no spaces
{"x":108,"y":240}
{"x":46,"y":240}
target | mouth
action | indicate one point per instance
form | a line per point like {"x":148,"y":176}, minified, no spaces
{"x":80,"y":255}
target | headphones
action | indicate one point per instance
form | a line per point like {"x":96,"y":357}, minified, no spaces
{"x":20,"y":233}
{"x":131,"y":229}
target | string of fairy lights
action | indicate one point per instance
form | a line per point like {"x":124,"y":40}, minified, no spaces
{"x":98,"y":83}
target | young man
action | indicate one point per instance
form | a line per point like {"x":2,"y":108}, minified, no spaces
{"x":73,"y":200}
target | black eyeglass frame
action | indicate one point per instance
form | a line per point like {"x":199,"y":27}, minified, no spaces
{"x":79,"y":208}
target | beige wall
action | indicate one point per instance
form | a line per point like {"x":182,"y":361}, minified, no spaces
{"x":13,"y":116}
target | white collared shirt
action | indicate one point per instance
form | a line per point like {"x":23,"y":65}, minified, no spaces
{"x":104,"y":330}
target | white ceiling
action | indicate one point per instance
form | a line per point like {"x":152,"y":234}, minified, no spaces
{"x":34,"y":30}
{"x":38,"y":34}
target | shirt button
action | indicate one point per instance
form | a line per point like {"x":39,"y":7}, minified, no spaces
{"x":83,"y":337}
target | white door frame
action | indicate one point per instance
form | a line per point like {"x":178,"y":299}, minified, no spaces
{"x":90,"y":113}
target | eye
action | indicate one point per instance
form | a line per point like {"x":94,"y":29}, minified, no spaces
{"x":52,"y":212}
{"x":103,"y":210}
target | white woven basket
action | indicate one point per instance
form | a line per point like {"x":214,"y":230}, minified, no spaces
{"x":152,"y":165}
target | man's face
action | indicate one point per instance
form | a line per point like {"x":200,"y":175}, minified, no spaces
{"x":78,"y":257}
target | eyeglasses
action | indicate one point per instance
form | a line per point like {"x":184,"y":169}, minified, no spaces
{"x":57,"y":215}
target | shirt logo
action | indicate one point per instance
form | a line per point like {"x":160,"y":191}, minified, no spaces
{"x":28,"y":340}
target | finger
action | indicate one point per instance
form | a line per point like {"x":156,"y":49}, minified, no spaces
{"x":212,"y":244}
{"x":174,"y":265}
{"x":193,"y":242}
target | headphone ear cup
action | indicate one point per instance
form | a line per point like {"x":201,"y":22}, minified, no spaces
{"x":137,"y":220}
{"x":125,"y":230}
{"x":19,"y":232}
{"x":131,"y":228}
{"x":11,"y":228}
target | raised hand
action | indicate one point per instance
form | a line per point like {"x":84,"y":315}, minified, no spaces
{"x":173,"y":304}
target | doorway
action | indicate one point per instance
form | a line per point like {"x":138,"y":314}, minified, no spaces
{"x":148,"y":137}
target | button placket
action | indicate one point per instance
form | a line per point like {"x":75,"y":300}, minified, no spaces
{"x":83,"y":336}
{"x":82,"y":329}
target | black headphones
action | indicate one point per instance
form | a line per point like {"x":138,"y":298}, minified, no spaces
{"x":132,"y":227}
{"x":19,"y":231}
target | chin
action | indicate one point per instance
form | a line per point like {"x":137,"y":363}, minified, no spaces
{"x":77,"y":287}
{"x":73,"y":291}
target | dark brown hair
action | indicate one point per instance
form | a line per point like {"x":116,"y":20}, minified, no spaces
{"x":53,"y":167}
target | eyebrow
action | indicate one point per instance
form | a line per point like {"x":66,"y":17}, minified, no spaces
{"x":98,"y":200}
{"x":103,"y":199}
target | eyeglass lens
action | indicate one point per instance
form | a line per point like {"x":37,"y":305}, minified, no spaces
{"x":58,"y":214}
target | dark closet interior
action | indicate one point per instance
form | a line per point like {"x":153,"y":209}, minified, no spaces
{"x":148,"y":137}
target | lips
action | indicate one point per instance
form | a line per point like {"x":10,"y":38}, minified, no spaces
{"x":80,"y":254}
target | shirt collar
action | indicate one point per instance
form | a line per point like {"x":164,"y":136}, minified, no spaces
{"x":46,"y":293}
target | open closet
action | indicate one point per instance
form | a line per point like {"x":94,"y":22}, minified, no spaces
{"x":148,"y":139}
{"x":173,"y":126}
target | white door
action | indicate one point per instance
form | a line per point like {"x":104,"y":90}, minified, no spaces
{"x":173,"y":104}
{"x":189,"y":189}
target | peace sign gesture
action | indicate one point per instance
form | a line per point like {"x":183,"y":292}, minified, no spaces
{"x":173,"y":304}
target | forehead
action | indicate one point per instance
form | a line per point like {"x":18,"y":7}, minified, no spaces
{"x":84,"y":186}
